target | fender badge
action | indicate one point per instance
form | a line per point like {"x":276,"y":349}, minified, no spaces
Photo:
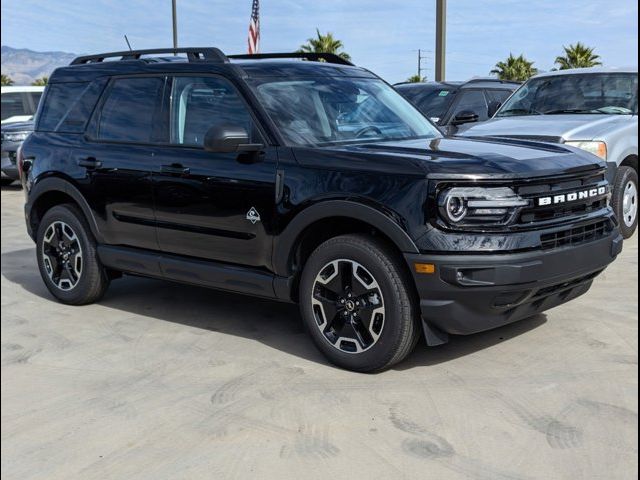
{"x":253,"y":216}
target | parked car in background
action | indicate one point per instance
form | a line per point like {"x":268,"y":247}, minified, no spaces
{"x":12,"y":135}
{"x":450,"y":104}
{"x":595,"y":109}
{"x":19,"y":103}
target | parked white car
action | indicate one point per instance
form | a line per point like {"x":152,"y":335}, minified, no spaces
{"x":595,"y":109}
{"x":19,"y":103}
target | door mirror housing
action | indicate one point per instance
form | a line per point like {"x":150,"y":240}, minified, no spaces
{"x":494,"y":106}
{"x":228,"y":138}
{"x":466,"y":116}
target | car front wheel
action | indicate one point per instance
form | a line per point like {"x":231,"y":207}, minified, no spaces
{"x":625,"y":200}
{"x":357,"y":304}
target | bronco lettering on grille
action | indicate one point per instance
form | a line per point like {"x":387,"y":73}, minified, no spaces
{"x":572,"y":197}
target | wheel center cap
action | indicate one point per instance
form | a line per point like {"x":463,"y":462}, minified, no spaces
{"x":350,"y":305}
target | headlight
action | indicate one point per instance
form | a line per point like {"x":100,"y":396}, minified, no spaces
{"x":478,"y":206}
{"x":15,"y":136}
{"x":599,"y":149}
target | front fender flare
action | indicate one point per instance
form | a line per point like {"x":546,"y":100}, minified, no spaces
{"x":336,"y":208}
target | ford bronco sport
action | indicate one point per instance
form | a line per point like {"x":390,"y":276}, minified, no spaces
{"x":302,"y":178}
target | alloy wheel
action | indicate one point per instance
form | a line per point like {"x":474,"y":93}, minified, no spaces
{"x":62,"y":255}
{"x":348,"y":306}
{"x":630,"y":204}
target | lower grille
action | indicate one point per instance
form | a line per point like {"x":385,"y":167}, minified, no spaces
{"x":544,"y":292}
{"x":575,"y":236}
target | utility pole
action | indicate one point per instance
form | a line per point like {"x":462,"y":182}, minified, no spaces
{"x":175,"y":23}
{"x":441,"y":37}
{"x":422,"y":57}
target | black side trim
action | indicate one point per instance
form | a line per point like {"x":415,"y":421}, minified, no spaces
{"x":188,"y":270}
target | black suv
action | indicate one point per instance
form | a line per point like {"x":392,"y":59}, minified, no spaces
{"x":304,"y":181}
{"x":451,"y":104}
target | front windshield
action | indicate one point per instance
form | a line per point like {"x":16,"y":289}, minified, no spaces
{"x":596,"y":93}
{"x":331,"y":110}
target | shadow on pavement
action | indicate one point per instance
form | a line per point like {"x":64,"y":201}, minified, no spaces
{"x":274,"y":324}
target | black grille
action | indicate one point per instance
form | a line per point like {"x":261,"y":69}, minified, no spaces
{"x":544,"y":292}
{"x":530,"y":216}
{"x":575,"y":236}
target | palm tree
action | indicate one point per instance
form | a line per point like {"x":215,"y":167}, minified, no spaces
{"x":40,"y":82}
{"x":416,"y":79}
{"x":578,"y":56}
{"x":517,"y":69}
{"x":324,"y":44}
{"x":6,"y":81}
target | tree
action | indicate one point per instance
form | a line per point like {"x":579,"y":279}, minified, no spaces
{"x":6,"y":81}
{"x":40,"y":82}
{"x":578,"y":56}
{"x":416,"y":79}
{"x":324,"y":44}
{"x":517,"y":69}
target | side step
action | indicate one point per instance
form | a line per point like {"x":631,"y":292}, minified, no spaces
{"x":204,"y":273}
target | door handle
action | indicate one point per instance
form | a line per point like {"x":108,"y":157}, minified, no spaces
{"x":175,"y":168}
{"x":90,"y":162}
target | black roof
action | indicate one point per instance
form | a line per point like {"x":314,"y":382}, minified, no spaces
{"x":206,"y":60}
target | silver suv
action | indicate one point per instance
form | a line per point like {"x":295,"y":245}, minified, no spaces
{"x":594,"y":109}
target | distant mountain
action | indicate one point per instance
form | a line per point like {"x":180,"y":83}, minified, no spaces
{"x":24,"y":66}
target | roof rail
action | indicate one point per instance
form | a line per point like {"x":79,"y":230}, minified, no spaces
{"x":311,"y":56}
{"x":490,"y":79}
{"x":207,"y":54}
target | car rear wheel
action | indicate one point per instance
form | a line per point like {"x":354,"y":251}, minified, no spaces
{"x":625,"y":200}
{"x":67,"y":257}
{"x":357,"y":304}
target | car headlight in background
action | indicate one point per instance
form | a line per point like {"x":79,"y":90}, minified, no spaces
{"x":15,"y":136}
{"x":479,"y":206}
{"x":599,"y":149}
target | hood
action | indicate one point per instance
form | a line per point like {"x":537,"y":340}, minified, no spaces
{"x":548,"y":127}
{"x":17,"y":127}
{"x":455,"y":157}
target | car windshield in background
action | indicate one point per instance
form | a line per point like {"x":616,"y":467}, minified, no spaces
{"x":594,"y":93}
{"x":431,"y":101}
{"x":328,"y":111}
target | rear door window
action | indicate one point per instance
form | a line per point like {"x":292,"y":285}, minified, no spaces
{"x":131,"y":109}
{"x":498,"y":95}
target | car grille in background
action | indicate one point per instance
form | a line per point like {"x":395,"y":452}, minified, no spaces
{"x":575,"y":236}
{"x":532,"y":216}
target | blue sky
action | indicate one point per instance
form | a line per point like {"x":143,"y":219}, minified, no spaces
{"x":383,"y":36}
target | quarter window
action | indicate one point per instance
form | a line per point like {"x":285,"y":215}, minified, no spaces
{"x":199,"y":103}
{"x":131,"y":111}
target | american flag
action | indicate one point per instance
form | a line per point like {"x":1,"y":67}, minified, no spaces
{"x":254,"y":28}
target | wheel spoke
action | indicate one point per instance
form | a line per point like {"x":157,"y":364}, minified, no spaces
{"x":62,"y":255}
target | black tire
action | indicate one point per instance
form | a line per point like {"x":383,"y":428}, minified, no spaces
{"x":92,"y":281}
{"x":401,"y":326}
{"x":626,"y":181}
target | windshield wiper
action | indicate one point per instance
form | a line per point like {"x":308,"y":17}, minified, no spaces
{"x":570,"y":110}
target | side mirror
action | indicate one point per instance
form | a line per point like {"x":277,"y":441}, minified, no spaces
{"x":227,"y":138}
{"x":494,"y":106}
{"x":466,"y":116}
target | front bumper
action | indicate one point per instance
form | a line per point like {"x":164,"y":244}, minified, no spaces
{"x":472,"y":293}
